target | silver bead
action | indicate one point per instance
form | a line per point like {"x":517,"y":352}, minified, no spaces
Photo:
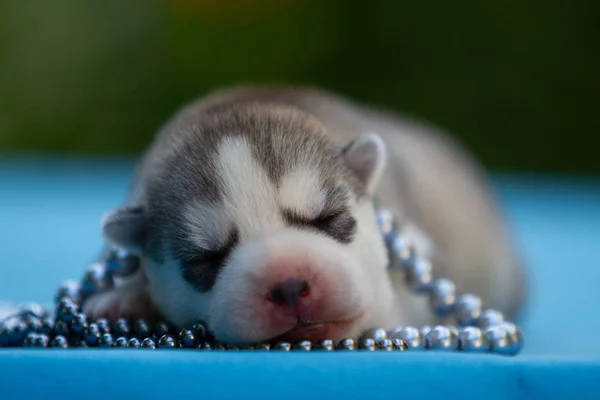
{"x":346,"y":344}
{"x":368,"y":344}
{"x":411,"y":335}
{"x":440,"y":338}
{"x":41,"y":340}
{"x":148,"y":343}
{"x":515,"y":338}
{"x":121,"y":342}
{"x":386,"y":222}
{"x":512,"y":330}
{"x":66,"y":310}
{"x":489,"y":318}
{"x":376,"y":334}
{"x":419,"y":274}
{"x":105,"y":341}
{"x":442,"y":296}
{"x":60,"y":342}
{"x":467,"y":309}
{"x":385,"y":345}
{"x":70,"y":289}
{"x":399,"y":344}
{"x":425,"y":329}
{"x":29,"y":339}
{"x":96,"y":279}
{"x":325,"y":345}
{"x":304,"y":345}
{"x":282,"y":346}
{"x":165,"y":342}
{"x":498,"y":339}
{"x":402,"y":251}
{"x":34,"y":309}
{"x":471,"y":339}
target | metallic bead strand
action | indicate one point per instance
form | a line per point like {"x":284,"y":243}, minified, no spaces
{"x":476,"y":329}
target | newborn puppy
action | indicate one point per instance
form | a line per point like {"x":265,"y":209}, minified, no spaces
{"x":253,"y":210}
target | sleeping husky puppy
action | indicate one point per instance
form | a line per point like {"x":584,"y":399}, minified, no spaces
{"x":253,"y":211}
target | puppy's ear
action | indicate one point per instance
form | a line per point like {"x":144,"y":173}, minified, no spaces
{"x":366,"y":158}
{"x":125,"y":227}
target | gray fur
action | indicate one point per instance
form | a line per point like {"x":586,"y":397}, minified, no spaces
{"x":429,"y":182}
{"x":185,"y":170}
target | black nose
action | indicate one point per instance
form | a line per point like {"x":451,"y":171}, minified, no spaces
{"x":289,"y":292}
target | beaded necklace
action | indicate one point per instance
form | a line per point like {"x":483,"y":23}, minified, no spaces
{"x":477,"y":329}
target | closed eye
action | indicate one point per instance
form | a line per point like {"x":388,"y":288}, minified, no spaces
{"x":324,"y":220}
{"x":202,"y":268}
{"x":205,"y":257}
{"x":339,"y":224}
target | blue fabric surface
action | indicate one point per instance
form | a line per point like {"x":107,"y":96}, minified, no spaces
{"x":146,"y":374}
{"x":49,"y":230}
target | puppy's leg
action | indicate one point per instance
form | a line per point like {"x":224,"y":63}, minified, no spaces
{"x":128,"y":300}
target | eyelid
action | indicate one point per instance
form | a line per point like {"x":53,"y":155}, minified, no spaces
{"x":329,"y":215}
{"x":324,"y":216}
{"x":202,"y":256}
{"x":338,"y":224}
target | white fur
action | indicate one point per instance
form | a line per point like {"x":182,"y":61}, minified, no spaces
{"x":301,"y":191}
{"x":175,"y":298}
{"x":236,"y":309}
{"x":249,"y":196}
{"x":206,"y":224}
{"x":249,"y":202}
{"x":240,"y":312}
{"x":371,"y":252}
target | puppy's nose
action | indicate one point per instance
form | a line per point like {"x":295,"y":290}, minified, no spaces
{"x":289,"y":292}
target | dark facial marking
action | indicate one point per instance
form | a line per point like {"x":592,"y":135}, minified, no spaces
{"x":202,"y":269}
{"x":182,"y":166}
{"x":339,"y":225}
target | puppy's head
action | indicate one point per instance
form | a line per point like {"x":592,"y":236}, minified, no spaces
{"x":255,"y":223}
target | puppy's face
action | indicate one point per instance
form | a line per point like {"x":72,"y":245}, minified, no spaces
{"x":258,"y":226}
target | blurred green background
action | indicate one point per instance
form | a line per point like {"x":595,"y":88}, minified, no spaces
{"x":517,"y":82}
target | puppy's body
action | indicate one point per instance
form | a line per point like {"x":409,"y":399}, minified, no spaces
{"x":244,"y":157}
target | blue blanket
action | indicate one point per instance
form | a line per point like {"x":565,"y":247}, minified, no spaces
{"x":49,"y":229}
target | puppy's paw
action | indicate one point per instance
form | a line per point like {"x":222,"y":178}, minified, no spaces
{"x":126,"y":302}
